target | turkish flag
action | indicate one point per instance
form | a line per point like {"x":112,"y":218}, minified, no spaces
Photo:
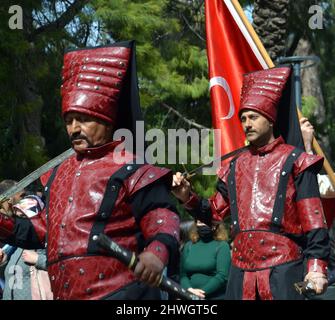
{"x":231,"y":53}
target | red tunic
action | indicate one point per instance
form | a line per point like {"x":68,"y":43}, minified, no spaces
{"x":75,"y":198}
{"x":256,"y":248}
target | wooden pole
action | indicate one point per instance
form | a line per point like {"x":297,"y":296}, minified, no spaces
{"x":253,"y":33}
{"x":326,"y":165}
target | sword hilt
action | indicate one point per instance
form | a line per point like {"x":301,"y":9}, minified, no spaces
{"x":187,"y":175}
{"x":307,"y":287}
{"x":130,"y":259}
{"x":304,"y":287}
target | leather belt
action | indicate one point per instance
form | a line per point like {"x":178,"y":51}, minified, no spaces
{"x":257,"y":250}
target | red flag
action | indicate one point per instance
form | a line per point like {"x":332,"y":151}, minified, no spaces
{"x":231,"y":53}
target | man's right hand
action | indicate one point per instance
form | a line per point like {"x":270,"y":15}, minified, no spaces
{"x":149,"y":268}
{"x":318,"y":280}
{"x":181,"y":188}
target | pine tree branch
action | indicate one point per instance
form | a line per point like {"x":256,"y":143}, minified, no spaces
{"x":62,"y":21}
{"x":192,"y":29}
{"x":74,"y":41}
{"x":180,"y":116}
{"x":87,"y":33}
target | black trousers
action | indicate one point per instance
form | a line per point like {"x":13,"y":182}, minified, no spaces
{"x":282,"y":279}
{"x":135,"y":291}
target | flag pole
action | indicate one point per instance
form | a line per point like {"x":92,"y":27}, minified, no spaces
{"x":252,"y":33}
{"x":269,"y":62}
{"x":319,"y":151}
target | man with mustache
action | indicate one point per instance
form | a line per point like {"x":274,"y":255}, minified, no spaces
{"x":101,"y":189}
{"x":272,"y":195}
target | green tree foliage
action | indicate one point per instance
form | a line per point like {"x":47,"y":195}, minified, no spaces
{"x":323,"y":44}
{"x":30,"y":126}
{"x":171,"y":57}
{"x":172,"y":62}
{"x":20,"y":142}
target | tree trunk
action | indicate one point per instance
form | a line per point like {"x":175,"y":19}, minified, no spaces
{"x":310,"y":80}
{"x":311,"y":87}
{"x":270,"y":22}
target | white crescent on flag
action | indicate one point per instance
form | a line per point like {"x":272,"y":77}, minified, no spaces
{"x":220,"y":81}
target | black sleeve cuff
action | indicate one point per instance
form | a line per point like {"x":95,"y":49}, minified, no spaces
{"x":318,"y":246}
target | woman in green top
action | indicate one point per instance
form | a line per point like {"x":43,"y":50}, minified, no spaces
{"x":205,"y":261}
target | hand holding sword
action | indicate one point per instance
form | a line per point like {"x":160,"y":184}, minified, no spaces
{"x":181,"y":187}
{"x":316,"y":283}
{"x":318,"y":280}
{"x":131,"y":260}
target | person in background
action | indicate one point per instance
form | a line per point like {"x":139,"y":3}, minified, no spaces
{"x":25,"y":275}
{"x":326,"y":188}
{"x":327,"y":193}
{"x":6,"y":208}
{"x":185,"y":227}
{"x":205,"y":261}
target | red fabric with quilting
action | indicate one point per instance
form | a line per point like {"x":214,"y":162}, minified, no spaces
{"x":254,"y":250}
{"x":75,"y":198}
{"x":92,"y":81}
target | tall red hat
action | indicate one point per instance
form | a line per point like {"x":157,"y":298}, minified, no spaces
{"x":262,"y":91}
{"x":93,"y":79}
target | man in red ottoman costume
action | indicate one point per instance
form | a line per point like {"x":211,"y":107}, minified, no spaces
{"x":272,"y":195}
{"x":93,"y":191}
